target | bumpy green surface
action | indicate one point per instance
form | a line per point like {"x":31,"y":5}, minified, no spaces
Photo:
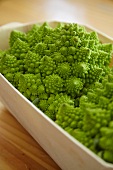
{"x":65,"y":72}
{"x":92,"y":122}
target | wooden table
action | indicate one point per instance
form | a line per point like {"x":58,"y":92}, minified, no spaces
{"x":18,"y":150}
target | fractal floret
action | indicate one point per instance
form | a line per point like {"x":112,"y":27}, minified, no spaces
{"x":73,"y":86}
{"x":51,"y":105}
{"x":47,"y":66}
{"x":31,"y":63}
{"x":53,"y":84}
{"x":29,"y":85}
{"x":19,"y":49}
{"x":15,"y":35}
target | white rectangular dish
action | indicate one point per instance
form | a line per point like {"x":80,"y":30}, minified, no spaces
{"x":66,"y":151}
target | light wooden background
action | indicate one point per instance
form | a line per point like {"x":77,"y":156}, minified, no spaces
{"x":97,"y":13}
{"x":18,"y":150}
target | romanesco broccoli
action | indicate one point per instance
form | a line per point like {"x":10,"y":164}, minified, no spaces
{"x":15,"y":35}
{"x":65,"y":72}
{"x":95,"y":117}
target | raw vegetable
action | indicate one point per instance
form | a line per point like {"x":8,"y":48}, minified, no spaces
{"x":65,"y":72}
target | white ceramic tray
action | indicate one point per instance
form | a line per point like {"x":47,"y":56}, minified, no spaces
{"x":66,"y":151}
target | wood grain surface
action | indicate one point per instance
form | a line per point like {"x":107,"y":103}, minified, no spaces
{"x":18,"y":150}
{"x":97,"y":13}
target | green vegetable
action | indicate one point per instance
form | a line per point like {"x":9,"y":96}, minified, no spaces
{"x":19,"y":49}
{"x":73,"y":86}
{"x":15,"y":35}
{"x":53,"y":84}
{"x":29,"y":85}
{"x":92,"y":122}
{"x":65,"y":72}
